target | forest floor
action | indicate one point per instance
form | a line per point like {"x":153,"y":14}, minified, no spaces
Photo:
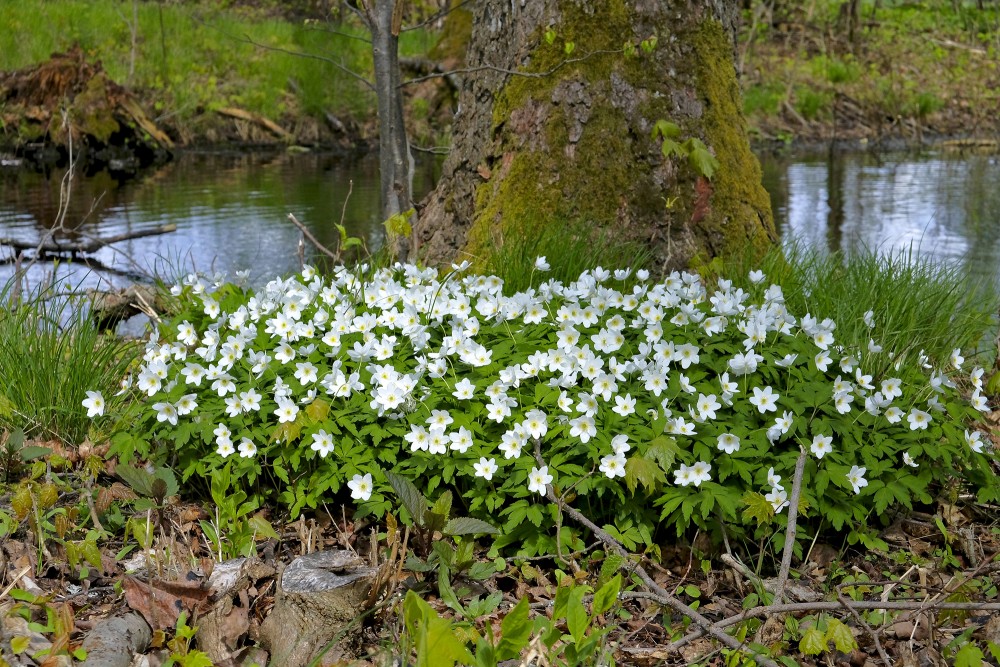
{"x":67,"y":568}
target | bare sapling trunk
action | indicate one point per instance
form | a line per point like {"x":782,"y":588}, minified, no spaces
{"x":384,"y":18}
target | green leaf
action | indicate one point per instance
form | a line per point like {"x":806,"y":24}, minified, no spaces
{"x":640,"y":470}
{"x":666,"y":129}
{"x":700,"y":158}
{"x":813,"y":642}
{"x":262,"y":527}
{"x":758,"y":507}
{"x":34,"y":452}
{"x":576,"y":615}
{"x":399,"y":224}
{"x":969,"y":656}
{"x":19,"y":644}
{"x":663,"y":449}
{"x":318,"y":410}
{"x":442,"y":505}
{"x":840,"y":635}
{"x":464,"y":525}
{"x":515,"y":631}
{"x":607,"y":595}
{"x":436,"y":642}
{"x":138,"y":479}
{"x":195,"y":659}
{"x":413,"y":500}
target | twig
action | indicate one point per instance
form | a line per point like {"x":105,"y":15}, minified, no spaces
{"x":661,"y":594}
{"x":861,"y":621}
{"x":793,"y":515}
{"x":303,"y":54}
{"x":13,"y":582}
{"x":512,"y":72}
{"x":797,"y":607}
{"x":312,"y":239}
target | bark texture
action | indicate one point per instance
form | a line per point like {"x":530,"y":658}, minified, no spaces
{"x":559,"y":130}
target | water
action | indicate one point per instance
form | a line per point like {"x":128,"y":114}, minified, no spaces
{"x":941,"y":206}
{"x":230,"y":210}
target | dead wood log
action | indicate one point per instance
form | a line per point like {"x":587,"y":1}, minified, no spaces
{"x":320,"y":598}
{"x":249,"y":116}
{"x":115,"y":641}
{"x":91,"y":245}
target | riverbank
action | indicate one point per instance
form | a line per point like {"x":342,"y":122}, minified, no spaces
{"x":910,"y":74}
{"x":266,"y":74}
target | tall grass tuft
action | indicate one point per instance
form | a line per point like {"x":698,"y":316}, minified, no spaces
{"x":51,"y":354}
{"x":570,"y":249}
{"x":917,"y":304}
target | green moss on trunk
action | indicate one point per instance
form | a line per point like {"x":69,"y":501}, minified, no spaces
{"x":573,"y":143}
{"x":741,"y":209}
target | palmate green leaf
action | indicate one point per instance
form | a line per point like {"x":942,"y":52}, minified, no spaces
{"x":758,"y":508}
{"x":664,"y":450}
{"x":640,"y":470}
{"x":318,"y":410}
{"x":969,"y":655}
{"x":813,"y":642}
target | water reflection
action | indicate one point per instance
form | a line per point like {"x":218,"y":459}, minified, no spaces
{"x":230,"y":212}
{"x":939,"y":206}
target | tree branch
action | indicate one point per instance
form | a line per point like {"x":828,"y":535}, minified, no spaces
{"x":314,"y":56}
{"x":661,"y":594}
{"x":512,"y":72}
{"x":793,"y":515}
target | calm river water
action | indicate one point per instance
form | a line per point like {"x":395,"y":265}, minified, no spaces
{"x":230,"y":210}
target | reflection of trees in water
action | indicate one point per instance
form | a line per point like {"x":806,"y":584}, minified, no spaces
{"x":937,"y":206}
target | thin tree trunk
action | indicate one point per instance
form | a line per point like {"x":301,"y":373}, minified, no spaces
{"x":384,"y":17}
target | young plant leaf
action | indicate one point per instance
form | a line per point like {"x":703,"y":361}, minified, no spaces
{"x":464,"y":525}
{"x":413,"y":500}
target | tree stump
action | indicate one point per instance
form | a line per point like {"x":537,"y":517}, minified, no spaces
{"x":320,"y":597}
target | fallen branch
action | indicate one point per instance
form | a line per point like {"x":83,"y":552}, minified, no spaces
{"x":661,"y":594}
{"x":802,"y":607}
{"x":312,"y":239}
{"x":256,"y":118}
{"x":793,"y":515}
{"x":54,"y":246}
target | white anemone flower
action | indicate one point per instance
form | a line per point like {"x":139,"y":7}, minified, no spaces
{"x":856,"y":477}
{"x":485,"y":468}
{"x":538,"y":478}
{"x":361,"y":487}
{"x":94,"y":404}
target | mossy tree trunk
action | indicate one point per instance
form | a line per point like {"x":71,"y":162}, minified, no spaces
{"x":555,"y":125}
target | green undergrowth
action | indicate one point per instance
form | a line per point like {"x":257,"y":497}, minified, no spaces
{"x":923,"y":306}
{"x":51,"y":355}
{"x":799,"y":60}
{"x":195,"y":57}
{"x":659,"y":408}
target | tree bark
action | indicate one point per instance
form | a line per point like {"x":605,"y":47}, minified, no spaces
{"x":383,"y":18}
{"x":560,"y":130}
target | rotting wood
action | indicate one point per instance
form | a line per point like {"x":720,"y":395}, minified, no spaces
{"x":320,"y":596}
{"x":256,"y":118}
{"x":93,"y":244}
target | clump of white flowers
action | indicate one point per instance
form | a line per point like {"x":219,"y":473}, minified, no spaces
{"x":670,"y":389}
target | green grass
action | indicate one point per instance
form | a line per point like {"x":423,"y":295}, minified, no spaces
{"x":569,"y":248}
{"x":194,"y":56}
{"x":917,"y":304}
{"x":51,"y":354}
